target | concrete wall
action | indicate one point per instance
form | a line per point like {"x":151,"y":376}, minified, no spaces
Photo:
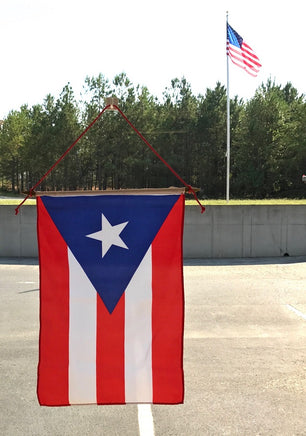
{"x":245,"y":231}
{"x":18,"y":232}
{"x":221,"y":231}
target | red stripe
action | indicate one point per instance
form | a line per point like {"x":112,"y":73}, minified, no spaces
{"x":251,"y":56}
{"x":244,"y":51}
{"x":237,"y":55}
{"x":110,"y":353}
{"x":168,"y":309}
{"x":250,"y":62}
{"x":242,"y":56}
{"x":242,"y":64}
{"x":52,"y":389}
{"x":242,"y":59}
{"x":249,"y":50}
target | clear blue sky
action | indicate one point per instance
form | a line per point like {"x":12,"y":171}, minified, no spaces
{"x":46,"y":44}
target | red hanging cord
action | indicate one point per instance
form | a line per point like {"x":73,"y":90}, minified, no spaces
{"x":190,"y":189}
{"x":61,"y":158}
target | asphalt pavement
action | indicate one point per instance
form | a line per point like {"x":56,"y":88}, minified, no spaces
{"x":244,"y":356}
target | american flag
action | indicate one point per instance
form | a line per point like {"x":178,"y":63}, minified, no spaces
{"x":240,"y":53}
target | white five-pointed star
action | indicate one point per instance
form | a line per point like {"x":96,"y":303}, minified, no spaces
{"x":109,"y":235}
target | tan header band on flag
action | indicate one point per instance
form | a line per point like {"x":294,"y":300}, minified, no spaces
{"x":149,"y":191}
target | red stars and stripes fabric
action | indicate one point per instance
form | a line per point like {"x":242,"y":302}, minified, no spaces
{"x":111,"y":299}
{"x":240,"y":53}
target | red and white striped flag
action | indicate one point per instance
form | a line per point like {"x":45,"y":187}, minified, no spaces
{"x":241,"y":53}
{"x":111,"y":299}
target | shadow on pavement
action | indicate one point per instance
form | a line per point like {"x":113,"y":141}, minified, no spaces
{"x":245,"y":261}
{"x":18,"y":261}
{"x":190,"y":262}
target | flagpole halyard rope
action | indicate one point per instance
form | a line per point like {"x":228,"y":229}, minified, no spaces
{"x":111,"y":106}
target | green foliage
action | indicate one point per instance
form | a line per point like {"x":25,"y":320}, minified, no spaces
{"x":268,"y":144}
{"x":268,"y":140}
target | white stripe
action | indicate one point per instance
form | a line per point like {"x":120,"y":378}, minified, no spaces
{"x":138,"y":334}
{"x":82,"y":335}
{"x":297,"y":312}
{"x":145,"y":420}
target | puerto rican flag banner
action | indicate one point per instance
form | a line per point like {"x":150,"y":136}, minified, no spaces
{"x":111,"y":298}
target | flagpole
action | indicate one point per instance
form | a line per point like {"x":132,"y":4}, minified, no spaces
{"x":228,"y":151}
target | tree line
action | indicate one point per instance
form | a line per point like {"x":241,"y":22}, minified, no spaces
{"x":268,"y":140}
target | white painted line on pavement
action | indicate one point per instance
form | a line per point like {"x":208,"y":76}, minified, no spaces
{"x":293,"y":309}
{"x":145,"y":420}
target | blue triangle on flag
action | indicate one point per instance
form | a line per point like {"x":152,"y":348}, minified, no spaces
{"x":111,"y":267}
